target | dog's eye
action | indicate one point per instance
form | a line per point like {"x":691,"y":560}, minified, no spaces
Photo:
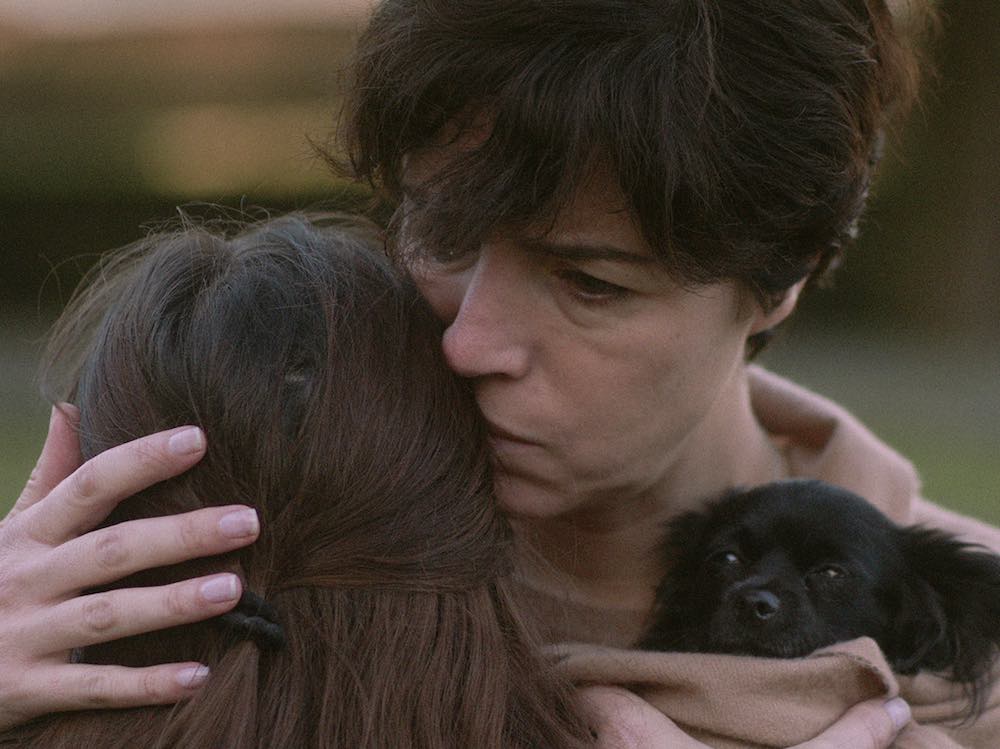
{"x":726,"y":558}
{"x":829,"y":571}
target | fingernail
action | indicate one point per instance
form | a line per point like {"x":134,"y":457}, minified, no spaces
{"x":220,"y":589}
{"x":239,"y":524}
{"x":192,"y":677}
{"x":189,"y":441}
{"x":899,"y":711}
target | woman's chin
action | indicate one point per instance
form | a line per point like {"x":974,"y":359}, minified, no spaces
{"x":524,"y":497}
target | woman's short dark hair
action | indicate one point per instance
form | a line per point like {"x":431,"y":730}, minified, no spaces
{"x":316,"y":371}
{"x":743,"y":133}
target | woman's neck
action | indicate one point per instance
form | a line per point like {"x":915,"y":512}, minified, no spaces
{"x":606,"y":554}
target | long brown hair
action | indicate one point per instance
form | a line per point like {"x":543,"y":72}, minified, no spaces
{"x":315,"y":370}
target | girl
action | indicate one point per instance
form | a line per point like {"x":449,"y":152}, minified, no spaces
{"x":376,"y":610}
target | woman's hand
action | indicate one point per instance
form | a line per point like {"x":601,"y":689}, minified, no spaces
{"x":620,"y":719}
{"x":868,"y":725}
{"x":49,"y":553}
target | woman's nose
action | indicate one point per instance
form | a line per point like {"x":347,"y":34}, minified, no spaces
{"x":489,"y":332}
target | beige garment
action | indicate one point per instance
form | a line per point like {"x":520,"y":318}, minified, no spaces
{"x":738,"y":702}
{"x":732,"y":701}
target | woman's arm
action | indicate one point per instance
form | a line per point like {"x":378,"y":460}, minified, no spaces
{"x":49,"y":553}
{"x":620,"y":719}
{"x":968,"y":529}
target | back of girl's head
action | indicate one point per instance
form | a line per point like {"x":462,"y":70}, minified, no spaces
{"x":315,"y":371}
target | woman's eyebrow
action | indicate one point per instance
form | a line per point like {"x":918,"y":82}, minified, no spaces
{"x":582,"y":250}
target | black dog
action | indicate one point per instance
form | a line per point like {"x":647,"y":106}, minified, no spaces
{"x":789,"y":567}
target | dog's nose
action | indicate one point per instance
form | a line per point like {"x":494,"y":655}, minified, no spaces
{"x":763,"y":604}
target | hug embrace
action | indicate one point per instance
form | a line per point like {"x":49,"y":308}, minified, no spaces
{"x":317,"y":484}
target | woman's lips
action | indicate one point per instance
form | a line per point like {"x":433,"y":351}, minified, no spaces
{"x":499,"y":434}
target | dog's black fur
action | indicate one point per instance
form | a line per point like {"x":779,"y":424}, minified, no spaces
{"x":789,"y":567}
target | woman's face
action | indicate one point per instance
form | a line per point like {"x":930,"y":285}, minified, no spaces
{"x":591,"y":365}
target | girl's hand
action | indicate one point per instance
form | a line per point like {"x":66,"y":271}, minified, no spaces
{"x":49,"y":553}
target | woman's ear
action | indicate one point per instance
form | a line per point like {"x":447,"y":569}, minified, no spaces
{"x":765,"y":319}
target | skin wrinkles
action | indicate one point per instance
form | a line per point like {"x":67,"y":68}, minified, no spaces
{"x":634,"y":398}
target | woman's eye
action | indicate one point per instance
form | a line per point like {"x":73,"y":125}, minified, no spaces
{"x":452,"y":258}
{"x":425,"y":261}
{"x":590,"y":288}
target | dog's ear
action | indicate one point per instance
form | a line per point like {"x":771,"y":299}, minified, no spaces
{"x":685,"y":544}
{"x":674,"y":617}
{"x":948,"y":614}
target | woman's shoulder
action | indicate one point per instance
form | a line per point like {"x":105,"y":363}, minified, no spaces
{"x":822,"y":440}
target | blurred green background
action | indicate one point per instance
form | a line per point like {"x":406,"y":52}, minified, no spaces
{"x":108,"y":123}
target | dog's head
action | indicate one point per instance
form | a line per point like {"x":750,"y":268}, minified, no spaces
{"x":789,"y":567}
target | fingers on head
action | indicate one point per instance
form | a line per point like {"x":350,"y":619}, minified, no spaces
{"x":112,"y":615}
{"x":120,"y":550}
{"x":84,"y":498}
{"x":60,"y":456}
{"x":88,"y":687}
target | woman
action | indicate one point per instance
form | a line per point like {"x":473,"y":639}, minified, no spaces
{"x":610,"y":204}
{"x":377,"y":611}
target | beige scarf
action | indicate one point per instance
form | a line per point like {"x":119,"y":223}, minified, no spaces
{"x":737,"y":702}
